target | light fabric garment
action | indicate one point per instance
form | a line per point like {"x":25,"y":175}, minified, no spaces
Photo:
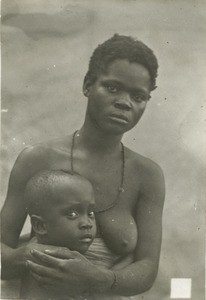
{"x":99,"y":254}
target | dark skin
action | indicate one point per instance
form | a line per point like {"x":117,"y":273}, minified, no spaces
{"x":116,"y":102}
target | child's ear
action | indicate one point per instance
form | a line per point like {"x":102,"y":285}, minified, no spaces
{"x":38,"y":225}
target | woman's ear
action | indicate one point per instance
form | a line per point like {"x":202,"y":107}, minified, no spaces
{"x":86,"y":87}
{"x":38,"y":225}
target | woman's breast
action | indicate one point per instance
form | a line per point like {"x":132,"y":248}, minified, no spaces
{"x":119,"y":230}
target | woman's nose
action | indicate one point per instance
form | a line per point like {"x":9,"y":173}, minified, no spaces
{"x":123,"y":102}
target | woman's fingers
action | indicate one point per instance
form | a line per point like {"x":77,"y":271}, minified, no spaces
{"x":62,"y":253}
{"x":40,"y":270}
{"x":46,"y":259}
{"x":41,"y":279}
{"x":47,"y":283}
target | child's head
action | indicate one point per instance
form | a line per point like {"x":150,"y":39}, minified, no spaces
{"x":61,"y":207}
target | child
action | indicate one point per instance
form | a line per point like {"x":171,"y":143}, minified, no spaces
{"x":61,"y":208}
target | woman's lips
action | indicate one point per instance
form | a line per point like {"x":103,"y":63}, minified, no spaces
{"x":119,"y":118}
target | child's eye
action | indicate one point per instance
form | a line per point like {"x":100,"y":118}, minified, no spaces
{"x":91,"y":214}
{"x":72,"y":214}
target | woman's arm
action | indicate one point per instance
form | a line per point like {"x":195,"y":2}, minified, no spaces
{"x":13,"y":213}
{"x":140,"y":275}
{"x":74,"y":272}
{"x":122,"y":263}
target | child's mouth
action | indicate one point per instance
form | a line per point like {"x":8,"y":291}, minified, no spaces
{"x":87,"y":238}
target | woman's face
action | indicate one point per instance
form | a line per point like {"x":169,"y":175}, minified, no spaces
{"x":118,"y":98}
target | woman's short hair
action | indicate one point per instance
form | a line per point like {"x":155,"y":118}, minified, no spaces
{"x":122,"y":47}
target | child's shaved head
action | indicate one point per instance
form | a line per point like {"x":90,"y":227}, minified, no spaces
{"x":38,"y":191}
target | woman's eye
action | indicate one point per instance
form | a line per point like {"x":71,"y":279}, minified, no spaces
{"x":139,"y":97}
{"x":112,"y":88}
{"x":72,"y":214}
{"x":91,"y":214}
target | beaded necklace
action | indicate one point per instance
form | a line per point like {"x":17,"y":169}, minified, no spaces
{"x":121,"y":187}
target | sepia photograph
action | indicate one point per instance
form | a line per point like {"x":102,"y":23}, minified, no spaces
{"x":103,"y":142}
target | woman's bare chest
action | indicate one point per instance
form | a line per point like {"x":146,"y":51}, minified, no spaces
{"x":115,"y":198}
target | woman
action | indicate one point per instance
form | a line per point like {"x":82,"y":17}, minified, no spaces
{"x":129,"y":188}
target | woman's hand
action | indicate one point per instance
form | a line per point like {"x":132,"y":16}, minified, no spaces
{"x":27,"y":248}
{"x":14,"y":260}
{"x":62,"y":269}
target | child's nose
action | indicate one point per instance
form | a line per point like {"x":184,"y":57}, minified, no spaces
{"x":85,"y":223}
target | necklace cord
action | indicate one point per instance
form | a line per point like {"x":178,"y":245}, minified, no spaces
{"x":72,"y":151}
{"x":121,"y":187}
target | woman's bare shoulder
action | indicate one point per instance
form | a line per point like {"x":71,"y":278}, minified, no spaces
{"x":36,"y":156}
{"x":150,"y":175}
{"x":61,"y":143}
{"x":38,"y":149}
{"x":143,"y":164}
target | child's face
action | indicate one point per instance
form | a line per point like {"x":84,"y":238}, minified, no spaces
{"x":70,"y":221}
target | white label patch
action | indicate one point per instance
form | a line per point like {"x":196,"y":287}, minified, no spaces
{"x":181,"y":288}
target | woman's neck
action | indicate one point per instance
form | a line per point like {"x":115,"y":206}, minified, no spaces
{"x":98,"y":141}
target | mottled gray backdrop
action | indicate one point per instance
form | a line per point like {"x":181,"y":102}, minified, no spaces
{"x":46,"y":46}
